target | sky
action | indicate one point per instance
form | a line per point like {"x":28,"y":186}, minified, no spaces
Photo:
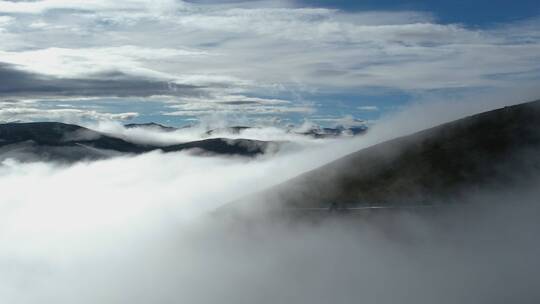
{"x":260,"y":62}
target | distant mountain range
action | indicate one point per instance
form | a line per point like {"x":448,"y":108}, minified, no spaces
{"x":151,"y":125}
{"x":498,"y":149}
{"x":53,"y":141}
{"x":319,"y":132}
{"x":315,"y":132}
{"x":229,"y":130}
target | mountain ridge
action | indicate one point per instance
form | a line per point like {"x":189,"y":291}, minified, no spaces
{"x":497,"y":147}
{"x":45,"y":141}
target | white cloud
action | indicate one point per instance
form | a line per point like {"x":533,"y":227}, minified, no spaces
{"x":259,"y":49}
{"x":64,"y":62}
{"x":234,"y":104}
{"x":266,"y":46}
{"x":368,"y":108}
{"x":5,"y":20}
{"x":14,"y":113}
{"x":40,"y":6}
{"x":234,"y":108}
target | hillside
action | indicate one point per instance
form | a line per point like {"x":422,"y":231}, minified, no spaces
{"x":496,"y":149}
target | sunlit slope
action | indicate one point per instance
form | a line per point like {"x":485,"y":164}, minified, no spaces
{"x":495,"y":148}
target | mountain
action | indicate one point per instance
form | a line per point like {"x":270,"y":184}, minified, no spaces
{"x":228,"y":130}
{"x":151,"y":125}
{"x":59,"y":134}
{"x":499,"y":148}
{"x":316,"y":132}
{"x":335,"y":132}
{"x":243,"y":147}
{"x":53,"y":141}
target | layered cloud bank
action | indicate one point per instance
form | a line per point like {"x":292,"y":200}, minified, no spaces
{"x":466,"y":256}
{"x":262,"y":58}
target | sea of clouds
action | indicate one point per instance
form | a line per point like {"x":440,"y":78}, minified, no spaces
{"x":136,"y":230}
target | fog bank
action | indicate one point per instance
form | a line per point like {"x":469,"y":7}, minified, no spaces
{"x":135,"y":230}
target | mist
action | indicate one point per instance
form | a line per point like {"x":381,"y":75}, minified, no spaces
{"x":137,"y":230}
{"x":155,"y":136}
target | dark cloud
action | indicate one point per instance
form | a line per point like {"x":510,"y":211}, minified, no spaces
{"x":240,"y":102}
{"x":14,"y":82}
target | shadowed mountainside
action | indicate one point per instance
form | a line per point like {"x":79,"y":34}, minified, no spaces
{"x":150,"y":125}
{"x":53,"y":141}
{"x":498,"y":148}
{"x":335,"y":132}
{"x":315,"y":132}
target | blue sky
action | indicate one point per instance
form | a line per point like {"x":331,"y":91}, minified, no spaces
{"x":470,"y":12}
{"x":260,"y":62}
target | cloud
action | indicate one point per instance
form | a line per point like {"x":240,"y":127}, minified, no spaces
{"x":18,"y":83}
{"x":12,"y":110}
{"x":63,"y":115}
{"x":235,"y":104}
{"x":324,"y":48}
{"x":368,"y":108}
{"x":5,"y":20}
{"x":263,"y":49}
{"x":65,"y":62}
{"x":40,"y":6}
{"x":343,"y":121}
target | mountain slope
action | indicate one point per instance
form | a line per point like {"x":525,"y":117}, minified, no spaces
{"x":245,"y":147}
{"x":495,"y":148}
